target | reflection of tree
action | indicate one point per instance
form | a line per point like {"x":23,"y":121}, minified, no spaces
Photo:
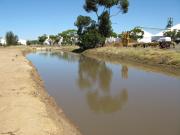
{"x":92,"y":71}
{"x":124,"y":72}
{"x":95,"y":77}
{"x":65,"y":56}
{"x":107,"y":104}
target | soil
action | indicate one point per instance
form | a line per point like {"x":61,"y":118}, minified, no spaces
{"x":25,"y":106}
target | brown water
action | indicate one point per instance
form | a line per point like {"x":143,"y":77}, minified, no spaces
{"x":108,"y":99}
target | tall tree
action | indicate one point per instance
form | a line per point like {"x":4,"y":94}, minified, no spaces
{"x":105,"y":27}
{"x":11,"y":38}
{"x":103,"y":23}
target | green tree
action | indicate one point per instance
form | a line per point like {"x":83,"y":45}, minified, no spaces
{"x":11,"y":38}
{"x":103,"y":24}
{"x":172,"y":34}
{"x":105,"y":27}
{"x":114,"y":34}
{"x":32,"y":42}
{"x":54,"y":39}
{"x":42,"y":38}
{"x":82,"y":23}
{"x":136,"y":33}
{"x":178,"y":34}
{"x":91,"y":39}
{"x":69,"y":37}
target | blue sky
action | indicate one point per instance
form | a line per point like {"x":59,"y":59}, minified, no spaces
{"x":31,"y":18}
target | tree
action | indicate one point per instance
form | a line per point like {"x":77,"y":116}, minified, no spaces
{"x":178,"y":34}
{"x":54,"y":39}
{"x":82,"y":24}
{"x":91,"y":39}
{"x":69,"y":37}
{"x":114,"y":34}
{"x":32,"y":42}
{"x":169,"y":23}
{"x":136,"y":33}
{"x":42,"y":38}
{"x":103,"y":24}
{"x":172,"y":34}
{"x":105,"y":27}
{"x":11,"y":38}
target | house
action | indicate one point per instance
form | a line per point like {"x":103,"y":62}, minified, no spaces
{"x":147,"y":38}
{"x":22,"y":42}
{"x":112,"y":40}
{"x":2,"y":41}
{"x":160,"y":35}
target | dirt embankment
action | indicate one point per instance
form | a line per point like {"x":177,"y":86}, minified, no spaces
{"x":158,"y":60}
{"x":25,"y":107}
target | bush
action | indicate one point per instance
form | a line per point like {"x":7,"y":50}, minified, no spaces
{"x":91,"y":39}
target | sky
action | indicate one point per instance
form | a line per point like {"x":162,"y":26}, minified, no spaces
{"x":32,"y":18}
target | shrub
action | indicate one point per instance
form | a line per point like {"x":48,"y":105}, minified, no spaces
{"x":91,"y":39}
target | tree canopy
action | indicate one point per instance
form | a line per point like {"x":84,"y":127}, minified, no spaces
{"x":136,"y":33}
{"x":69,"y":36}
{"x":42,"y":38}
{"x":102,"y":26}
{"x":174,"y":34}
{"x":11,"y":38}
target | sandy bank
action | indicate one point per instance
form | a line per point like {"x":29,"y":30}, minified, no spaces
{"x":25,"y":107}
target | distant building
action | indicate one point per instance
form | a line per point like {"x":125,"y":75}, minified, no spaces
{"x":22,"y":42}
{"x":148,"y":37}
{"x":2,"y":41}
{"x":112,"y":40}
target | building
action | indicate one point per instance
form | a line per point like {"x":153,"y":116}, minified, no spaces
{"x":148,"y":37}
{"x":2,"y":41}
{"x":22,"y":42}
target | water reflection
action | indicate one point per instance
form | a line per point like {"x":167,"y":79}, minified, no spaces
{"x":124,"y":72}
{"x":60,"y":55}
{"x":65,"y":56}
{"x":107,"y":103}
{"x":94,"y":94}
{"x":95,"y":77}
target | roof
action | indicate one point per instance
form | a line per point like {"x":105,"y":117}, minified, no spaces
{"x":147,"y":34}
{"x":177,"y":27}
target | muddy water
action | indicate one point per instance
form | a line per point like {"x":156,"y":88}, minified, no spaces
{"x":108,"y":99}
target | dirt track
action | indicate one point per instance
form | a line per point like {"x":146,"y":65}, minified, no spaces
{"x":25,"y":107}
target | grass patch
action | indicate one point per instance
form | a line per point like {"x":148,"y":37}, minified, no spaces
{"x":153,"y":56}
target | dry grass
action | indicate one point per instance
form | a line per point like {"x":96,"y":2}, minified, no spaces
{"x":142,"y":55}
